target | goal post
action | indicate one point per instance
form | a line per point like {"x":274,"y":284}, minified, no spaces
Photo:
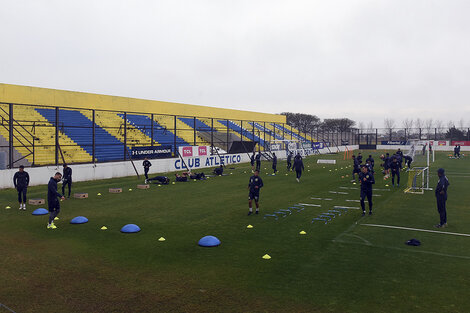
{"x":418,"y":180}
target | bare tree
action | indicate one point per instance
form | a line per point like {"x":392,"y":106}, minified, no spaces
{"x":370,"y":126}
{"x":407,"y":124}
{"x":389,"y":123}
{"x":461,"y":123}
{"x":428,"y":126}
{"x":361,"y":126}
{"x":439,"y":124}
{"x":450,"y":124}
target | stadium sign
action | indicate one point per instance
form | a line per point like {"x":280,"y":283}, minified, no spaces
{"x":393,"y":142}
{"x":461,"y":143}
{"x":275,"y":147}
{"x":193,"y":151}
{"x":208,"y":161}
{"x":318,"y":145}
{"x":151,"y":152}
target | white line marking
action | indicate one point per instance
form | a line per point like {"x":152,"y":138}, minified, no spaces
{"x":403,"y":249}
{"x":376,"y":195}
{"x":316,"y":198}
{"x":310,"y":204}
{"x":381,"y":189}
{"x":417,"y":229}
{"x":332,"y":191}
{"x":359,"y":237}
{"x":327,"y":199}
{"x":347,"y":207}
{"x":353,"y":200}
{"x":343,"y":193}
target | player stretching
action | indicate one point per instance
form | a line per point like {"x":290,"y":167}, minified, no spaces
{"x":367,"y":179}
{"x":255,"y":184}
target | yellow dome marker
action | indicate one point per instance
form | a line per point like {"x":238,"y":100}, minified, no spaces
{"x":172,"y":183}
{"x":161,"y":185}
{"x":8,"y":207}
{"x":249,"y":226}
{"x":99,"y":194}
{"x":303,"y":232}
{"x":386,"y":185}
{"x":130,"y":189}
{"x":161,"y":239}
{"x":56,"y":218}
{"x":266,"y":257}
{"x":104,"y":228}
{"x":354,"y":183}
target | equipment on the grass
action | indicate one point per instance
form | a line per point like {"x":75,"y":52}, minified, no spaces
{"x":104,"y":228}
{"x":36,"y":201}
{"x":80,"y":195}
{"x":209,"y":241}
{"x":143,"y":186}
{"x":266,"y":257}
{"x":130,"y":228}
{"x":303,"y":232}
{"x":40,"y":211}
{"x":115,"y":190}
{"x":249,"y":226}
{"x":319,"y":161}
{"x":413,"y":242}
{"x":161,"y":239}
{"x":418,"y":180}
{"x":347,"y":154}
{"x":79,"y":220}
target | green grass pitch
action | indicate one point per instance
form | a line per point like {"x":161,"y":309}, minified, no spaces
{"x":343,"y":266}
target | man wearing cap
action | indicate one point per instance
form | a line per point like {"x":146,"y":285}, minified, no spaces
{"x":441,"y":197}
{"x":367,"y":180}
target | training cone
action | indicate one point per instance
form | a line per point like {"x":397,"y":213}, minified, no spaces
{"x":56,"y":218}
{"x":104,"y":228}
{"x":354,"y":183}
{"x":386,"y":185}
{"x":303,"y":232}
{"x":99,"y":194}
{"x":130,"y":189}
{"x":347,"y":175}
{"x":7,"y":207}
{"x":161,"y":239}
{"x":231,"y":173}
{"x":244,"y":172}
{"x":266,"y":257}
{"x":161,"y":185}
{"x":194,"y":179}
{"x":249,"y":226}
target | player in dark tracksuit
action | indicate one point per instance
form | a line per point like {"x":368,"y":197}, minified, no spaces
{"x":67,"y":179}
{"x":408,"y":160}
{"x":252,"y":162}
{"x":367,"y":180}
{"x":289,"y":161}
{"x":254,"y":185}
{"x":356,"y":168}
{"x":160,"y":179}
{"x":370,"y":159}
{"x":458,"y":151}
{"x":298,"y":166}
{"x":359,"y":158}
{"x":387,"y":162}
{"x":395,"y":167}
{"x":52,"y":201}
{"x":21,"y":182}
{"x":441,"y":197}
{"x":258,"y":161}
{"x":400,"y":159}
{"x":146,"y":164}
{"x":274,"y":164}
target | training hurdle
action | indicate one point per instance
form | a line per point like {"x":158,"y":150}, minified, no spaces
{"x":80,"y":195}
{"x":36,"y":201}
{"x":270,"y":215}
{"x":115,"y":190}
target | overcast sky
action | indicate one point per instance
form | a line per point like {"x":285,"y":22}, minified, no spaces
{"x":365,"y":60}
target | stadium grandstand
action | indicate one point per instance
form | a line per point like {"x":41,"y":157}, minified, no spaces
{"x":45,"y":126}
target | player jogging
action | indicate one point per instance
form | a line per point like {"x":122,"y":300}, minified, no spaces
{"x":146,"y":164}
{"x":254,"y":185}
{"x":367,"y":180}
{"x":21,"y":182}
{"x":298,"y":166}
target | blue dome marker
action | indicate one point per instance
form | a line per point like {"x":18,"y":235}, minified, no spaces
{"x":209,"y":241}
{"x":79,"y":220}
{"x":40,"y":211}
{"x":130,"y":228}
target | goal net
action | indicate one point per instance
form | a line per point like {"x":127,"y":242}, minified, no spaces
{"x":421,"y":152}
{"x":418,"y":180}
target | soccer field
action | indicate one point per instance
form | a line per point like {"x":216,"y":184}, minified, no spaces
{"x":351,"y":264}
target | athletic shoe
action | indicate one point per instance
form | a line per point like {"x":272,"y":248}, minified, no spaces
{"x":249,"y":213}
{"x":438,"y":226}
{"x":146,"y":182}
{"x":370,"y":212}
{"x":257,"y":212}
{"x":444,"y":225}
{"x":363,"y":213}
{"x":298,"y":180}
{"x":51,"y":226}
{"x":24,"y":207}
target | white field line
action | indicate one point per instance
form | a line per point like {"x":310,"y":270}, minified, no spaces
{"x":353,"y":200}
{"x":403,"y":249}
{"x":310,"y":204}
{"x":325,"y":199}
{"x":417,"y":229}
{"x":347,"y":207}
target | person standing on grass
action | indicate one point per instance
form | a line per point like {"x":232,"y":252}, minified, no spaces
{"x":258,"y":161}
{"x":274,"y":163}
{"x":67,"y":180}
{"x":21,"y":182}
{"x":289,"y":161}
{"x":441,"y":197}
{"x":298,"y":166}
{"x":356,"y":168}
{"x":146,"y":164}
{"x":367,"y":180}
{"x":395,"y":167}
{"x":52,"y":201}
{"x":370,"y":159}
{"x":252,"y":162}
{"x":254,"y":185}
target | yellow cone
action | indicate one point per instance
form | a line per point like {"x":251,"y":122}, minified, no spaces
{"x":249,"y":226}
{"x":303,"y":232}
{"x":194,"y":180}
{"x":56,"y":218}
{"x":99,"y":194}
{"x":231,"y":173}
{"x":266,"y":257}
{"x":287,"y":174}
{"x":8,"y":207}
{"x":130,"y":189}
{"x":161,"y":185}
{"x":354,"y":183}
{"x":386,"y":185}
{"x":104,"y":228}
{"x":161,"y":239}
{"x":172,"y":183}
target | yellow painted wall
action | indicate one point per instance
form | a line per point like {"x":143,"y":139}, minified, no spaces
{"x":71,"y":99}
